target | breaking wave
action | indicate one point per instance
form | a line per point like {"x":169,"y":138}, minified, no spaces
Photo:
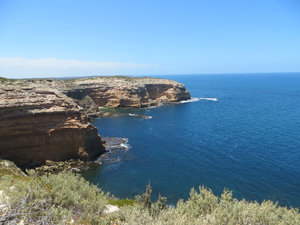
{"x":190,"y":100}
{"x":193,"y":99}
{"x":209,"y":99}
{"x":141,"y":116}
{"x":125,"y":146}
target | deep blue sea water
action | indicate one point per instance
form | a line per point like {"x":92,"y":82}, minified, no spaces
{"x":248,"y":141}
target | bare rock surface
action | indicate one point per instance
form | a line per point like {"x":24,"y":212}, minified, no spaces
{"x":75,"y":166}
{"x":110,"y":209}
{"x":40,"y":123}
{"x":129,"y":92}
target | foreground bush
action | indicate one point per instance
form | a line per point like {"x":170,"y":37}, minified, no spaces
{"x":51,"y":199}
{"x":205,"y":208}
{"x":66,"y":198}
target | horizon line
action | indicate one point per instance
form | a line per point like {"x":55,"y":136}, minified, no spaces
{"x":140,"y":75}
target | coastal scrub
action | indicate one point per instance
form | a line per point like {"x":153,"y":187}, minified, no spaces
{"x":66,"y":198}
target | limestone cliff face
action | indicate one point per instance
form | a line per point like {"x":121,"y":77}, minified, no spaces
{"x":129,"y":92}
{"x":40,"y":123}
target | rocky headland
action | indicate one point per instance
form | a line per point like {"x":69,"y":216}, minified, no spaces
{"x":47,"y":119}
{"x":128,"y":92}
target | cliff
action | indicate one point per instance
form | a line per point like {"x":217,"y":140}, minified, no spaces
{"x":39,"y":123}
{"x":128,"y":92}
{"x":46,"y":119}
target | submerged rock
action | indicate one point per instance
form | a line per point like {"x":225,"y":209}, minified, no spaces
{"x":114,"y":146}
{"x":115,"y":143}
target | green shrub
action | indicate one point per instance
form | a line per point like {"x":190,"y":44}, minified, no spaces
{"x":153,"y":208}
{"x":198,"y":204}
{"x":121,"y":202}
{"x":4,"y":80}
{"x":207,"y":209}
{"x":60,"y":195}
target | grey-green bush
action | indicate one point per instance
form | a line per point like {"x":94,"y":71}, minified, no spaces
{"x":205,"y":208}
{"x":59,"y":197}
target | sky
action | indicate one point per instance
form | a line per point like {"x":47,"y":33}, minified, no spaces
{"x":148,"y":37}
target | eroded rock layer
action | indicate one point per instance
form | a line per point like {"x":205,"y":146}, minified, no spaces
{"x":129,"y":92}
{"x":39,"y":123}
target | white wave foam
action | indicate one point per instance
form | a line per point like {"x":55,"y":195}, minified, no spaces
{"x":125,"y":146}
{"x":141,"y":116}
{"x":209,"y":99}
{"x":191,"y":100}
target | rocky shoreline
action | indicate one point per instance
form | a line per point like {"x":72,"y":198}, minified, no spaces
{"x":75,"y":166}
{"x":48,"y":119}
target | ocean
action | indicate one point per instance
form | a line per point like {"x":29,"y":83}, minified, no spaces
{"x":243,"y":134}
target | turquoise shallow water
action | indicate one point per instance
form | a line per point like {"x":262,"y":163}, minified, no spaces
{"x":247,"y":141}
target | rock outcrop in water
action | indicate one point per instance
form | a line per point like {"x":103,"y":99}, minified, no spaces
{"x":45,"y":119}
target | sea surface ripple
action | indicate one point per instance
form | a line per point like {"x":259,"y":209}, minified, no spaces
{"x":241,"y":133}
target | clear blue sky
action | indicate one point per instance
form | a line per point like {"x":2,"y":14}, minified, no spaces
{"x":85,"y":37}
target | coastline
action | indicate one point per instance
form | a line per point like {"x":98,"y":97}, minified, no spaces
{"x":48,"y":119}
